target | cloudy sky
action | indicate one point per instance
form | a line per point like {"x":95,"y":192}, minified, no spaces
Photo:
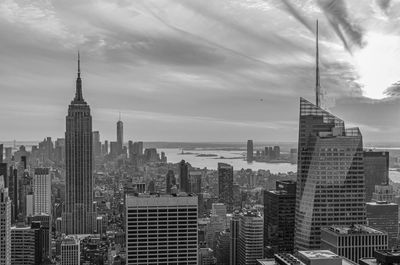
{"x":198,"y":70}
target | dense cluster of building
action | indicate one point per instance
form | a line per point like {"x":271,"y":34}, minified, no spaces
{"x":77,"y":201}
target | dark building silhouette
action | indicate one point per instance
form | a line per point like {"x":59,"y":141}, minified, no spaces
{"x":384,"y":216}
{"x":3,"y":174}
{"x":184,"y":184}
{"x":78,"y":216}
{"x":250,"y":151}
{"x":279,"y":213}
{"x":120,"y":135}
{"x":376,"y":171}
{"x":170,"y":181}
{"x":234,"y":238}
{"x":225,"y":185}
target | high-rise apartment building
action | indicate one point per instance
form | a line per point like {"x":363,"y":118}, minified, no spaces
{"x":78,"y":216}
{"x":250,"y":151}
{"x":250,"y":247}
{"x":279,"y":214}
{"x":26,"y":244}
{"x":70,"y":251}
{"x":225,"y":185}
{"x":41,"y":191}
{"x":5,"y":225}
{"x":161,"y":229}
{"x":376,"y":170}
{"x":384,"y":216}
{"x":353,"y":242}
{"x":330,"y":180}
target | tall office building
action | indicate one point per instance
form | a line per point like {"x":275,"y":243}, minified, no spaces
{"x":250,"y":247}
{"x":225,"y":185}
{"x":353,"y":242}
{"x":330,"y":180}
{"x":78,"y":216}
{"x":161,"y":229}
{"x":41,"y":191}
{"x":70,"y":251}
{"x":45,"y":229}
{"x":120,"y":135}
{"x":5,"y":226}
{"x":96,"y":144}
{"x":184,"y":184}
{"x":3,"y":174}
{"x":234,"y":228}
{"x":170,"y":181}
{"x":376,"y":170}
{"x":138,"y":148}
{"x":384,"y":216}
{"x":279,"y":214}
{"x":195,"y":181}
{"x":250,"y":151}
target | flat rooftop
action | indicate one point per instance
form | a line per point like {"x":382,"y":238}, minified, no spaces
{"x":354,"y":229}
{"x":319,"y":254}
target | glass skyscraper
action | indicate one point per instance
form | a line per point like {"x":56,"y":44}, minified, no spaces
{"x":330,"y":179}
{"x":78,"y":217}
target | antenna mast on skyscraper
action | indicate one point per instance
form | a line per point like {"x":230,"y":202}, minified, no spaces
{"x":317,"y":83}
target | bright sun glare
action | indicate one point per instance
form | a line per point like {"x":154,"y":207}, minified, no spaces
{"x":378,"y":64}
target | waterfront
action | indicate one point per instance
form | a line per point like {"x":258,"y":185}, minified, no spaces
{"x":234,"y":158}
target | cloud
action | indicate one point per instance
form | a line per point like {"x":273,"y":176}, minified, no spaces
{"x":296,"y":14}
{"x":182,"y":69}
{"x":384,"y":5}
{"x":393,"y":90}
{"x":340,"y":20}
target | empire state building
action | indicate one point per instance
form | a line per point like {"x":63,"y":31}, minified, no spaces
{"x":78,"y":216}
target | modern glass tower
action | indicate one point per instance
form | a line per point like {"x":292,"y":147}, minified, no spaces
{"x":120,"y":135}
{"x":78,"y":216}
{"x":330,"y":179}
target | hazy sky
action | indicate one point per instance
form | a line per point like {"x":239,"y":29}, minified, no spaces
{"x":198,"y":70}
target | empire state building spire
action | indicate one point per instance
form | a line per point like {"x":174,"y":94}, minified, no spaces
{"x":78,"y":93}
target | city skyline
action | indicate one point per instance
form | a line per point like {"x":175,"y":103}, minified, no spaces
{"x":173,"y":82}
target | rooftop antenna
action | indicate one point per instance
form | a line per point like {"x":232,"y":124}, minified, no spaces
{"x":120,"y":116}
{"x":317,"y":81}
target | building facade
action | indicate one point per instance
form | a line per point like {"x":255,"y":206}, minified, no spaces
{"x":184,"y":184}
{"x":330,"y":180}
{"x":41,"y":191}
{"x":250,"y":151}
{"x":384,"y":216}
{"x":70,"y":251}
{"x":353,"y":242}
{"x":161,"y":229}
{"x":120,"y":136}
{"x":279,"y":214}
{"x":78,"y":216}
{"x":225,"y":185}
{"x":250,"y":247}
{"x":376,"y":170}
{"x":5,"y":226}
